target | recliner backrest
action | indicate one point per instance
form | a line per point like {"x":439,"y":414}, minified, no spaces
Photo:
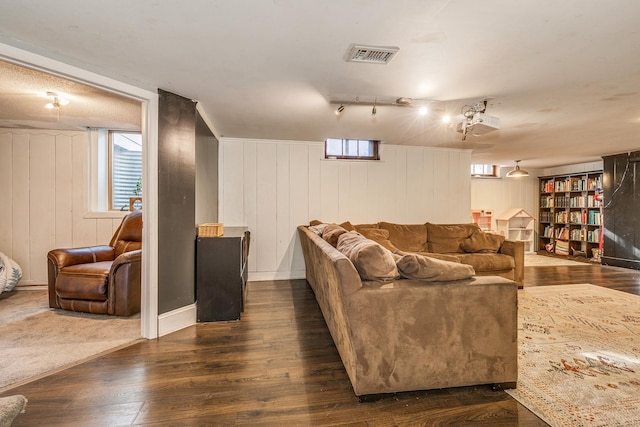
{"x":128,"y":236}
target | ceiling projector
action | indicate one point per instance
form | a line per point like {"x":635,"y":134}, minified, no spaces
{"x":479,"y":124}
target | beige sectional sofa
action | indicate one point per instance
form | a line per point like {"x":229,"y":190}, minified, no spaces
{"x":404,"y":334}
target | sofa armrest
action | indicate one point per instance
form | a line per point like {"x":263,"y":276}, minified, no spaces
{"x":516,"y":250}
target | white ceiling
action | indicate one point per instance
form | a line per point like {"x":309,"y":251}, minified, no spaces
{"x":565,"y":75}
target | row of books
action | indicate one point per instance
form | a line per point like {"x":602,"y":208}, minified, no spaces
{"x":588,"y":201}
{"x":592,"y":236}
{"x":580,"y":234}
{"x":569,"y":202}
{"x":572,"y":184}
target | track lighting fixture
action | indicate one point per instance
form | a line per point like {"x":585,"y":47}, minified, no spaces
{"x":517,"y":172}
{"x":402,"y":102}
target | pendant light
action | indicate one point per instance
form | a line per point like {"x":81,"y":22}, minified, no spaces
{"x":517,"y":172}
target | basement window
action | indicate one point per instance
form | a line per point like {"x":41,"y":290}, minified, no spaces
{"x":125,"y":151}
{"x":352,"y":149}
{"x":481,"y":170}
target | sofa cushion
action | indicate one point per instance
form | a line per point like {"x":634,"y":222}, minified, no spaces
{"x":446,"y":238}
{"x":414,"y":266}
{"x":483,"y":262}
{"x":331,"y":233}
{"x":480,"y":241}
{"x":348,"y":226}
{"x":380,"y":236}
{"x":372,"y":261}
{"x":407,"y":237}
{"x":360,"y":227}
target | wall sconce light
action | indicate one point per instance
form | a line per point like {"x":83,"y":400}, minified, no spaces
{"x":374,"y":111}
{"x":340,"y":109}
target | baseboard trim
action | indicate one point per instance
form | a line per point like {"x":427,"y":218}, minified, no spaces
{"x":176,"y":319}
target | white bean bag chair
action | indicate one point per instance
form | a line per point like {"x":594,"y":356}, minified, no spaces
{"x":10,"y":273}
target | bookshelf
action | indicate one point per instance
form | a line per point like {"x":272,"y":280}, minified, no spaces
{"x":570,"y":218}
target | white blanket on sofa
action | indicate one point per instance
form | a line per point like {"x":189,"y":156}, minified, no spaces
{"x":10,"y":273}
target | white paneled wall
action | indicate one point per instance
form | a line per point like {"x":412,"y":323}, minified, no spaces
{"x":274,"y":186}
{"x":43,"y":198}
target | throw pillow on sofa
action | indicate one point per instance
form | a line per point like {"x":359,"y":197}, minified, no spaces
{"x":379,"y":236}
{"x":480,"y":241}
{"x":414,"y":266}
{"x":372,"y":261}
{"x":331,"y":233}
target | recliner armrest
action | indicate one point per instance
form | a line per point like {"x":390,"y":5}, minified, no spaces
{"x":72,"y":256}
{"x":126,"y":258}
{"x":125,"y":284}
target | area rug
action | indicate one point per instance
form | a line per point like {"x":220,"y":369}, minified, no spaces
{"x":535,"y":260}
{"x":36,"y":340}
{"x":579,"y":355}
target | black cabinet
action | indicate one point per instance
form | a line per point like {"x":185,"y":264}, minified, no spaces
{"x":221,"y":275}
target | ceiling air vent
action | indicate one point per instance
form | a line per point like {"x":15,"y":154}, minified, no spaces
{"x":371,"y":54}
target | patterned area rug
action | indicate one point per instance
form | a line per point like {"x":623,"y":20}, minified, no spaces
{"x":579,"y":355}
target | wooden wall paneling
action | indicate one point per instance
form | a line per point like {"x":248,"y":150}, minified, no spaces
{"x":429,"y":186}
{"x":63,"y":192}
{"x":42,"y":222}
{"x":345,"y":212}
{"x":6,"y":182}
{"x":20,"y":250}
{"x":104,"y":230}
{"x":416,"y":203}
{"x":316,"y":153}
{"x":329,"y":192}
{"x":382,"y":174}
{"x":400,"y":197}
{"x":443,"y":192}
{"x":300,"y":195}
{"x":84,"y":229}
{"x":250,"y":199}
{"x":283,"y":208}
{"x":232,"y":196}
{"x":266,"y":232}
{"x":360,"y":207}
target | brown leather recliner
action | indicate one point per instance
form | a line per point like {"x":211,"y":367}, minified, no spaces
{"x":100,"y":279}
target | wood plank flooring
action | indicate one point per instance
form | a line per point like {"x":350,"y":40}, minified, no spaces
{"x":277,"y":366}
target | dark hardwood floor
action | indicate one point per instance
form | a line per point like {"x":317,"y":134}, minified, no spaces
{"x":276,"y":367}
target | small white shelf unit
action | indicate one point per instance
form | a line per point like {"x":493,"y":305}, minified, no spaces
{"x":517,"y":224}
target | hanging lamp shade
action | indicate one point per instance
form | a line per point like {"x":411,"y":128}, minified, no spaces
{"x":517,"y":172}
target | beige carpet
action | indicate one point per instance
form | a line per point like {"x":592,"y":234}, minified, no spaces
{"x":579,"y":355}
{"x":35,"y":340}
{"x":535,"y":260}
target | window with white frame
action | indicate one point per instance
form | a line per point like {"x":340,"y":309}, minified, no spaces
{"x":115,"y":171}
{"x":354,"y":149}
{"x":484,"y":170}
{"x":125,"y":160}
